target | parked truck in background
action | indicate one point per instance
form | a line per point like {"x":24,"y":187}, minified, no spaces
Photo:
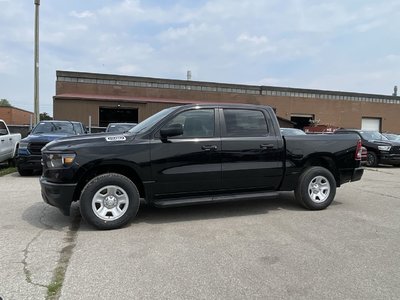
{"x":195,"y":154}
{"x":380,"y":150}
{"x":29,"y":149}
{"x":8,"y":143}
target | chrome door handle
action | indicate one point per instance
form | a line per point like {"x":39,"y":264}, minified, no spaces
{"x":267,"y":146}
{"x":209,"y":147}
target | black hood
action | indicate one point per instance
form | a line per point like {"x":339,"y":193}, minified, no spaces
{"x":96,"y":139}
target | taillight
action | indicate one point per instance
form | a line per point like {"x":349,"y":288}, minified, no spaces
{"x":358,"y":150}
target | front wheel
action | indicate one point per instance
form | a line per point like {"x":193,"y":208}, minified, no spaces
{"x":24,"y":172}
{"x":316,"y":188}
{"x":372,"y":159}
{"x":109,"y":201}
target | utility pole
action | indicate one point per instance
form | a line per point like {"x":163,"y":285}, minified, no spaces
{"x":36,"y":67}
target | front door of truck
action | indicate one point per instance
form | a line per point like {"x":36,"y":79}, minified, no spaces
{"x":188,"y":164}
{"x":251,"y":151}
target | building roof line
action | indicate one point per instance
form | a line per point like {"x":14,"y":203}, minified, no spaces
{"x":262,"y":89}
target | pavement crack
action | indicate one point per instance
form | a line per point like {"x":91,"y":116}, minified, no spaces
{"x":27,"y":272}
{"x":54,"y":288}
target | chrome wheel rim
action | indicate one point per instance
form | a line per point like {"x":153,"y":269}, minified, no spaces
{"x":319,"y":189}
{"x":110,"y":203}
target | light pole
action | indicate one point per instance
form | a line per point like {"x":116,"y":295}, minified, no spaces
{"x":36,"y":67}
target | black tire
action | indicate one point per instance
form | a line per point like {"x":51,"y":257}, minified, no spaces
{"x":24,"y":172}
{"x":316,"y":188}
{"x":109,"y":201}
{"x":372,"y":159}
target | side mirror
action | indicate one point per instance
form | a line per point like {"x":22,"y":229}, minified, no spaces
{"x":172,"y":130}
{"x":3,"y":131}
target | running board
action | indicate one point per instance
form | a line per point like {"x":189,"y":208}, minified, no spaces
{"x":173,"y":202}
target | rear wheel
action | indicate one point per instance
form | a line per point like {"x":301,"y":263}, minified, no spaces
{"x":372,"y":159}
{"x":316,"y":188}
{"x":109,"y":201}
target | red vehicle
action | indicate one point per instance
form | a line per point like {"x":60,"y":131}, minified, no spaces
{"x":320,"y":129}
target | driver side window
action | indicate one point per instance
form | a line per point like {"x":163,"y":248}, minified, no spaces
{"x":196,"y":123}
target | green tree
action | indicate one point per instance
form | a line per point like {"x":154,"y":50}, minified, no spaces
{"x":4,"y":102}
{"x":45,"y":116}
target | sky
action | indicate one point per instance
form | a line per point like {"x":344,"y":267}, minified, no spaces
{"x":346,"y":45}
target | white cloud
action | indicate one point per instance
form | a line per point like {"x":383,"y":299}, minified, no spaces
{"x":255,"y":40}
{"x":82,"y":14}
{"x":190,"y":32}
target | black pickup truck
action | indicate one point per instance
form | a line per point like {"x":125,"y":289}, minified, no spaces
{"x":380,"y":150}
{"x":195,"y":154}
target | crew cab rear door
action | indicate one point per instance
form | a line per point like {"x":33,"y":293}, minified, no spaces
{"x":188,"y":164}
{"x":251,"y":150}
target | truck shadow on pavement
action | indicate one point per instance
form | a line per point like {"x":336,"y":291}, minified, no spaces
{"x":154,"y":215}
{"x":44,"y":216}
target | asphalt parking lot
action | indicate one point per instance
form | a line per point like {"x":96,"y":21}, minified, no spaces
{"x":270,"y":249}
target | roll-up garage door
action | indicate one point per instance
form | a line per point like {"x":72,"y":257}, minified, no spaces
{"x":371,"y":124}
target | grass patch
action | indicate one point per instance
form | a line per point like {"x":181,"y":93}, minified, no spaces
{"x":7,"y":171}
{"x":53,"y":290}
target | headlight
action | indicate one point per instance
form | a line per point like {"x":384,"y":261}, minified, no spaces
{"x":23,"y":145}
{"x":59,"y":160}
{"x":384,"y":148}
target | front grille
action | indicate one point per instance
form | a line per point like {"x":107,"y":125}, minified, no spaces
{"x":34,"y":148}
{"x":395,"y":150}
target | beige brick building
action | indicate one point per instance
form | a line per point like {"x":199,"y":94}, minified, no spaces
{"x":15,"y":116}
{"x":115,"y":98}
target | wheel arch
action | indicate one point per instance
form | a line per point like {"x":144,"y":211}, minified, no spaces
{"x":326,"y":161}
{"x":104,"y":167}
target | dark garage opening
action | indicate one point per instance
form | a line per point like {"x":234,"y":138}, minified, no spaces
{"x":301,"y":120}
{"x":117,"y":115}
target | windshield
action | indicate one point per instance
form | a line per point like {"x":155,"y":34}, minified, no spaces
{"x":372,"y":135}
{"x":392,"y":137}
{"x":151,"y":121}
{"x":119,"y":127}
{"x":54,"y":128}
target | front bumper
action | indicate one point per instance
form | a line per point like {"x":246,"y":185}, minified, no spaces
{"x":58,"y":195}
{"x":390,"y":159}
{"x":32,"y":162}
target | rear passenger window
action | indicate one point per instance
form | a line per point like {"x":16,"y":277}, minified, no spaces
{"x":243,"y":122}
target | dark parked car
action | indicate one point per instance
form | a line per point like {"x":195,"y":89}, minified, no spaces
{"x":195,"y":154}
{"x":29,"y":149}
{"x":292,"y":131}
{"x":380,"y":149}
{"x":120,"y":127}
